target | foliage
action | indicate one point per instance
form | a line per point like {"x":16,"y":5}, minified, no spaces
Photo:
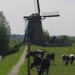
{"x":4,"y":33}
{"x":14,"y":46}
{"x":46,"y":35}
{"x":62,"y":39}
{"x":14,"y":42}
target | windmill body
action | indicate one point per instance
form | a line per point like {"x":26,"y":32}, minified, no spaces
{"x":34,"y":31}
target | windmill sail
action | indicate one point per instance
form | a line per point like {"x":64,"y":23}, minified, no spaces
{"x":38,"y":6}
{"x":51,"y":14}
{"x":35,"y":6}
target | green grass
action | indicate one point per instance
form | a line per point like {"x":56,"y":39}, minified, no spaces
{"x":13,"y":42}
{"x":23,"y":68}
{"x":8,"y":62}
{"x":56,"y":68}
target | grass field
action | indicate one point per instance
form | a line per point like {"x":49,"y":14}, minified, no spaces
{"x":56,"y":68}
{"x":13,"y":42}
{"x":8,"y":62}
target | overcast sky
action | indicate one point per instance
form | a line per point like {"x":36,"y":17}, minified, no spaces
{"x":14,"y":11}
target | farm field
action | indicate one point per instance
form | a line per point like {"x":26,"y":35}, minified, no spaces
{"x":56,"y":68}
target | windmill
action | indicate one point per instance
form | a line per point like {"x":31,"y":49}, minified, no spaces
{"x":34,"y":31}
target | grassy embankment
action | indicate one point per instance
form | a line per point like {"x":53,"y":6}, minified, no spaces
{"x":56,"y":68}
{"x":8,"y":62}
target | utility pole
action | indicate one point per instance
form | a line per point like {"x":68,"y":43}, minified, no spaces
{"x":29,"y":59}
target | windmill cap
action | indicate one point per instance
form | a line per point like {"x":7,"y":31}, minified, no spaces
{"x":35,"y":16}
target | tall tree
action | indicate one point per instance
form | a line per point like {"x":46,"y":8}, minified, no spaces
{"x":4,"y":33}
{"x":46,"y":35}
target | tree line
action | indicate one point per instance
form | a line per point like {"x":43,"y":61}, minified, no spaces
{"x":5,"y":33}
{"x":58,"y":39}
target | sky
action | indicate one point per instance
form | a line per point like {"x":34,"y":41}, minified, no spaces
{"x":15,"y":10}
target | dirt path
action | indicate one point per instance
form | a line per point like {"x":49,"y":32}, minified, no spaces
{"x":16,"y":68}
